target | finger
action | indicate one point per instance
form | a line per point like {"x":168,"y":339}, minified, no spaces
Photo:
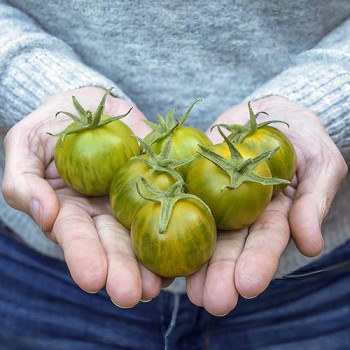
{"x":195,"y":285}
{"x":75,"y":231}
{"x":151,"y":284}
{"x":24,"y":187}
{"x":267,"y":239}
{"x":135,"y":119}
{"x":220,"y":295}
{"x":306,"y":223}
{"x":318,"y":184}
{"x":124,"y":284}
{"x":23,"y":194}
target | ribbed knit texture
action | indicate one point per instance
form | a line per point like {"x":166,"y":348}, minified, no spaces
{"x":166,"y":54}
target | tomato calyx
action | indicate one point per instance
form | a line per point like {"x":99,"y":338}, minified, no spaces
{"x":167,"y":200}
{"x":87,"y":120}
{"x":238,"y":169}
{"x":166,"y":126}
{"x":239,"y":132}
{"x":161,"y":162}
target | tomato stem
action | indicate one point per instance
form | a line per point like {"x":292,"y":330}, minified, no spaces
{"x":161,"y":162}
{"x":87,"y":120}
{"x":238,"y":169}
{"x":167,"y":126}
{"x":167,"y":200}
{"x":239,"y":132}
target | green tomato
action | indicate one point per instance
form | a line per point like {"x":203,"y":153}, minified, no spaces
{"x":124,"y":197}
{"x":185,"y":139}
{"x":187,"y":243}
{"x":232,"y":208}
{"x":88,"y":160}
{"x":263,"y":137}
{"x":284,"y":162}
{"x":184,"y":145}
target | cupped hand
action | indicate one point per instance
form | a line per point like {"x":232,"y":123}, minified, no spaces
{"x":245,"y":261}
{"x":96,"y":247}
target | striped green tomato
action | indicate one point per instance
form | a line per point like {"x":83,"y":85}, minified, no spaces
{"x":185,"y":139}
{"x":232,"y":208}
{"x":124,"y":198}
{"x":88,"y":160}
{"x":92,"y":148}
{"x":284,"y":162}
{"x":234,"y":181}
{"x":186,"y":244}
{"x":263,"y":137}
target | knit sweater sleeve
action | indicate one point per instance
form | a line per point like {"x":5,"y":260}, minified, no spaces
{"x":320,"y":81}
{"x":35,"y":65}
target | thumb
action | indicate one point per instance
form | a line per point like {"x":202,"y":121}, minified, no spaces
{"x":24,"y":187}
{"x":319,"y":179}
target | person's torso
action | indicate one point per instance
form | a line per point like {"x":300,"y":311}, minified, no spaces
{"x":168,"y":53}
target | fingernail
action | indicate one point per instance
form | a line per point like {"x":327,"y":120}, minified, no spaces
{"x":254,"y":296}
{"x":90,"y":292}
{"x":122,"y":307}
{"x":222,"y":315}
{"x":36,"y":211}
{"x":145,"y":300}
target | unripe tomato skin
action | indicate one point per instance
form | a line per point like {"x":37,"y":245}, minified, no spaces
{"x":231,"y":208}
{"x":88,"y":160}
{"x":124,"y":198}
{"x":284,"y":162}
{"x":185,"y":246}
{"x":184,"y":144}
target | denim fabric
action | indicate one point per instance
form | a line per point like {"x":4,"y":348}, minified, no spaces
{"x":42,"y":308}
{"x":309,"y":310}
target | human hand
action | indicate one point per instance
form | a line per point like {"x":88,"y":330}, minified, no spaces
{"x":245,"y":261}
{"x":96,"y":247}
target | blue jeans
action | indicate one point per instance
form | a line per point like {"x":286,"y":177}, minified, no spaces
{"x":41,"y":308}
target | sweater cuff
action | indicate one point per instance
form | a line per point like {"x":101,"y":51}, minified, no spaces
{"x":323,"y":89}
{"x":34,"y":76}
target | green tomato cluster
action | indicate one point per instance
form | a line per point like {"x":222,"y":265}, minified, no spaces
{"x":173,"y":233}
{"x":174,"y":189}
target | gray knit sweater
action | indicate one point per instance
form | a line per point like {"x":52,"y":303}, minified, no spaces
{"x":167,"y":53}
